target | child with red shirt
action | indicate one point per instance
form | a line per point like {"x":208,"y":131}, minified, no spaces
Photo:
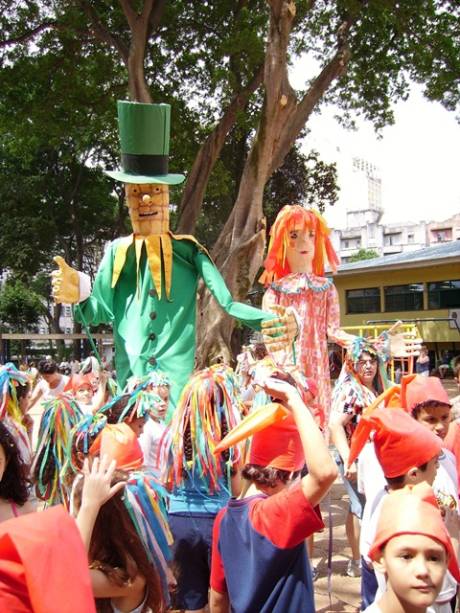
{"x":259,"y":559}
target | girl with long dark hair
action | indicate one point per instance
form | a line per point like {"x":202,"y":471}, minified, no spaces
{"x":14,"y":485}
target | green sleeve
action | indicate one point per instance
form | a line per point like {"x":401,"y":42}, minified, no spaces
{"x":248,"y":315}
{"x":98,"y":308}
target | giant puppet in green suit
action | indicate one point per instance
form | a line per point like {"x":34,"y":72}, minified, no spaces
{"x":147,"y":283}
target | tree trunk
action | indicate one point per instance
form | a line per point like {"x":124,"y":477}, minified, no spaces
{"x":140,"y":26}
{"x":197,"y":180}
{"x":239,"y":250}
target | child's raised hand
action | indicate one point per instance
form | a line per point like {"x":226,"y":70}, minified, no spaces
{"x":97,"y":488}
{"x":280,"y":386}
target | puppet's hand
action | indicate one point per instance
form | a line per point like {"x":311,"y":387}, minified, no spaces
{"x":280,"y":332}
{"x":65,"y":283}
{"x":403,"y":344}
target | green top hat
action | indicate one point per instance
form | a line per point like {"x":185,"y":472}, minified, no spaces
{"x":144,"y":139}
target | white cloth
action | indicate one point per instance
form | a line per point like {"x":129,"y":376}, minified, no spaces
{"x":369,"y":522}
{"x":52,"y":392}
{"x":373,"y":608}
{"x":150,"y":444}
{"x":85,"y":286}
{"x":371,"y":479}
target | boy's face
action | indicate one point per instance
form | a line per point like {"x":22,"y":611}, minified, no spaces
{"x":84,"y":394}
{"x":415,"y":566}
{"x":437,"y":419}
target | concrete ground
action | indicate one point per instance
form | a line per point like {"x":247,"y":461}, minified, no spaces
{"x":345,"y":591}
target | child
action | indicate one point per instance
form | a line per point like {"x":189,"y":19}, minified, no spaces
{"x":412,"y":549}
{"x":122,"y":521}
{"x":408,"y":454}
{"x":49,"y":468}
{"x":259,"y":558}
{"x":427,"y":401}
{"x":81,"y":388}
{"x":200,"y":482}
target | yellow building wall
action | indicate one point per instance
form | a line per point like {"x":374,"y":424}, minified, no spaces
{"x":432,"y":332}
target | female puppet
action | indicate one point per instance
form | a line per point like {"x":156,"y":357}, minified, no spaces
{"x":298,"y":252}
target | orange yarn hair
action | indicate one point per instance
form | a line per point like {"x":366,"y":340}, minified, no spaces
{"x":294,"y":216}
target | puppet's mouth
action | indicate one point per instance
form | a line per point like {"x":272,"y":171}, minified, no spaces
{"x":148,"y":214}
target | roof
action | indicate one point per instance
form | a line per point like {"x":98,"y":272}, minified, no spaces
{"x":445,"y":252}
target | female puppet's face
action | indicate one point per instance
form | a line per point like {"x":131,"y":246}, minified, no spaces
{"x":148,"y":206}
{"x":300,"y":249}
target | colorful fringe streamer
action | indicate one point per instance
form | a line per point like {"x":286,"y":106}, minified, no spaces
{"x":53,"y":455}
{"x":144,"y":499}
{"x":10,"y":378}
{"x":10,"y":411}
{"x":82,"y":436}
{"x":209,"y":399}
{"x":142,"y":402}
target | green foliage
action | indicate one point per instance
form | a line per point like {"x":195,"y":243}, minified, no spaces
{"x":58,"y":126}
{"x":364,"y":254}
{"x":302,"y":179}
{"x":20,"y":307}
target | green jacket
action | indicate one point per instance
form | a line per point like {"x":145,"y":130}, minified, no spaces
{"x":152,"y":333}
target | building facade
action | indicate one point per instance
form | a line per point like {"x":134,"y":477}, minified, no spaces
{"x":421,"y":286}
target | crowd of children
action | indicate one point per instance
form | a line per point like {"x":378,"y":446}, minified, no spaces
{"x":210,"y":508}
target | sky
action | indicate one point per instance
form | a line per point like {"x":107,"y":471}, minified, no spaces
{"x":418,"y":157}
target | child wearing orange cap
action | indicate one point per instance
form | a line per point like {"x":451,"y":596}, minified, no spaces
{"x":80,"y":386}
{"x":413,"y":550}
{"x":259,"y":559}
{"x":408,"y":454}
{"x":427,"y":401}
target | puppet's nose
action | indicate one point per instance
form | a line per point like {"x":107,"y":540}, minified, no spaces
{"x":146,"y":199}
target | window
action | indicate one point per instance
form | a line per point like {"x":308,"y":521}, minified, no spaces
{"x":442,"y":235}
{"x":363,"y":300}
{"x":344,"y":244}
{"x":410,"y":238}
{"x":392,"y":239}
{"x":404,"y":297}
{"x":444,"y":294}
{"x":67,"y":311}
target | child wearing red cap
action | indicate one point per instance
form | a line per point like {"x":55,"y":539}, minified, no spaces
{"x":427,"y":401}
{"x":408,"y":454}
{"x":412,"y":549}
{"x":259,"y":559}
{"x":80,"y":386}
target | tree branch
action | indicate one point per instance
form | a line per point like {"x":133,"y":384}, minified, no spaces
{"x":156,"y":16}
{"x":17,"y":40}
{"x":298,"y":118}
{"x":197,"y":180}
{"x":102,"y":33}
{"x":129,"y":12}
